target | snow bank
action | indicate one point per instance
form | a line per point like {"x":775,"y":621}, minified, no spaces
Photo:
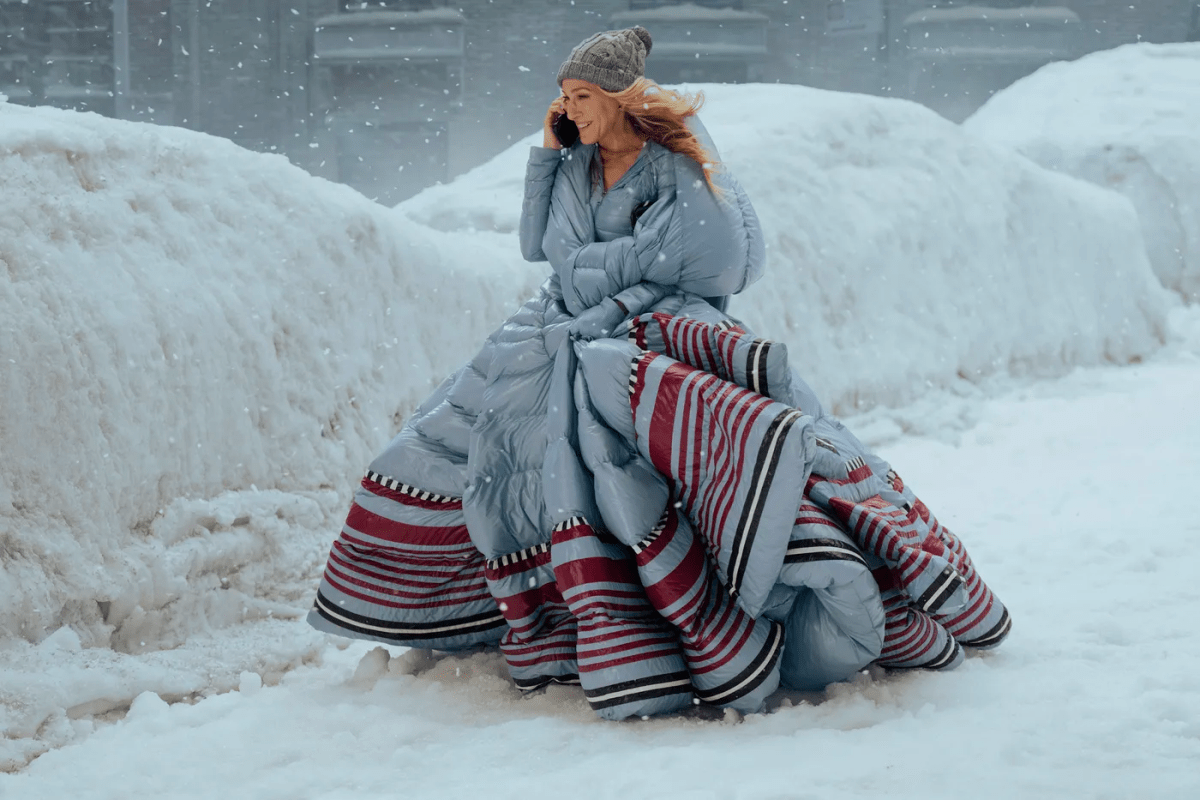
{"x":1095,"y":694}
{"x":200,"y":350}
{"x":1124,"y":119}
{"x":202,"y":347}
{"x":903,"y":253}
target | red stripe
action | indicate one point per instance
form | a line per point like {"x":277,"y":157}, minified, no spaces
{"x":348,"y":589}
{"x":605,"y":601}
{"x":435,"y":568}
{"x":736,"y":413}
{"x":655,"y":548}
{"x":405,"y":589}
{"x":710,"y":355}
{"x":371,"y":524}
{"x":391,"y":494}
{"x":691,"y":437}
{"x":643,"y":364}
{"x":686,"y":575}
{"x":720,"y":486}
{"x":595,"y":569}
{"x":519,"y":606}
{"x":747,"y":414}
{"x":727,"y":653}
{"x":510,"y":569}
{"x":662,"y":418}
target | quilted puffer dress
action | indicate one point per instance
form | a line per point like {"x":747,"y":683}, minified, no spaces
{"x":626,"y":490}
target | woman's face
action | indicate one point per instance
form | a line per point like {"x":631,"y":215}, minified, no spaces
{"x":596,"y":114}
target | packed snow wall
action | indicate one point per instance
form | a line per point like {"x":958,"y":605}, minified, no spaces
{"x":183,"y":320}
{"x":903,"y":253}
{"x":1125,"y":119}
{"x":201,"y":347}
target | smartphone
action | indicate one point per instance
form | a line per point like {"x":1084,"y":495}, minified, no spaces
{"x":565,"y":130}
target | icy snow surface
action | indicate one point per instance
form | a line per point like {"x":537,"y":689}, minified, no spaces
{"x":1127,"y":119}
{"x":1067,"y":492}
{"x":201,"y":348}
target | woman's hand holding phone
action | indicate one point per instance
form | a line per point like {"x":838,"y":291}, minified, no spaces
{"x":555,"y":111}
{"x":559,"y":130}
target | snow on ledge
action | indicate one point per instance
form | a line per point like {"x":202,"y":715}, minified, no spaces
{"x":1046,"y":15}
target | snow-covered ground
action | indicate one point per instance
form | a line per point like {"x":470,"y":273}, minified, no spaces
{"x":201,"y":348}
{"x":1126,"y":119}
{"x":1073,"y":497}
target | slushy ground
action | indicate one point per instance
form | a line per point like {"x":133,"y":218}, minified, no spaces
{"x":1076,"y":498}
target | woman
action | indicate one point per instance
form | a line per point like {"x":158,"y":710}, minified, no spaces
{"x":624,"y":489}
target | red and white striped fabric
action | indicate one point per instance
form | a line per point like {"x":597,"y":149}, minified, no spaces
{"x":539,"y":644}
{"x":404,"y":571}
{"x":724,"y":349}
{"x":934,"y":600}
{"x":912,"y":639}
{"x":732,"y":657}
{"x":895,"y":535}
{"x":738,"y":462}
{"x":984,"y":622}
{"x":630,"y":661}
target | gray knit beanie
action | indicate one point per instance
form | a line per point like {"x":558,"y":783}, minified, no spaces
{"x":612,"y":60}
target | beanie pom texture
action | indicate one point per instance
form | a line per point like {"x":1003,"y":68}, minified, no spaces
{"x":612,"y":60}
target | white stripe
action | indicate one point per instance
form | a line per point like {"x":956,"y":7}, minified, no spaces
{"x":442,"y":629}
{"x":639,"y":689}
{"x":945,"y":586}
{"x":714,"y":698}
{"x":799,"y":551}
{"x":948,"y":657}
{"x":779,"y":431}
{"x":756,"y":348}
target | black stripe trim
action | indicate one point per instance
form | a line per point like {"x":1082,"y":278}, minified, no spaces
{"x":570,"y":522}
{"x":521,"y":555}
{"x":946,"y":657}
{"x":758,"y":671}
{"x":995,"y":635}
{"x":769,"y":453}
{"x":939,"y":591}
{"x":806,"y":558}
{"x":828,"y":445}
{"x":855,"y":463}
{"x":655,"y":532}
{"x":763,"y":387}
{"x":444,"y":629}
{"x":795,"y":544}
{"x":756,"y":366}
{"x":533,"y":684}
{"x":411,"y":491}
{"x":640,"y":689}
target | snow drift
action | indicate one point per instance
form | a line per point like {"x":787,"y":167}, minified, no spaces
{"x":1125,"y":119}
{"x":902,"y":252}
{"x":202,"y":347}
{"x":184,"y":320}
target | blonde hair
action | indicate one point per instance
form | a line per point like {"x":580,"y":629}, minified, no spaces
{"x":658,"y":114}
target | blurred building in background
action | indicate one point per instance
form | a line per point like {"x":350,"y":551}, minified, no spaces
{"x":391,"y":96}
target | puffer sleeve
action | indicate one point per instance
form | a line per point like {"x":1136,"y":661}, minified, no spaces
{"x":717,"y":235}
{"x":590,"y":271}
{"x":539,"y":181}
